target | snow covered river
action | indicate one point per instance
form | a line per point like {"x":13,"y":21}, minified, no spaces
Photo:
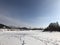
{"x":29,"y":38}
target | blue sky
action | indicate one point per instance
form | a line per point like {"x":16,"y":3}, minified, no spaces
{"x":34,"y":13}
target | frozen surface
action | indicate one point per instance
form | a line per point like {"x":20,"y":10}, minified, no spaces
{"x":29,"y":38}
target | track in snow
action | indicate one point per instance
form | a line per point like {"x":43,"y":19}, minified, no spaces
{"x":29,"y":38}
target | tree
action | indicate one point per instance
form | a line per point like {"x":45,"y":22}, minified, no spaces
{"x":53,"y":27}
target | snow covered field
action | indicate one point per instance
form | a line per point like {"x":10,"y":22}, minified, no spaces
{"x":29,"y":38}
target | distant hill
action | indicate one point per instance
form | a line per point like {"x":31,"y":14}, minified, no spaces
{"x":4,"y":26}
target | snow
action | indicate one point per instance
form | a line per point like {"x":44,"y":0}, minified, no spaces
{"x":29,"y":38}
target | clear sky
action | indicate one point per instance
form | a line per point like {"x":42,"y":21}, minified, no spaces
{"x":34,"y":13}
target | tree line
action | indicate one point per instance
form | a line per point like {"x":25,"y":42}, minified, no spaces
{"x":51,"y":27}
{"x":2,"y":26}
